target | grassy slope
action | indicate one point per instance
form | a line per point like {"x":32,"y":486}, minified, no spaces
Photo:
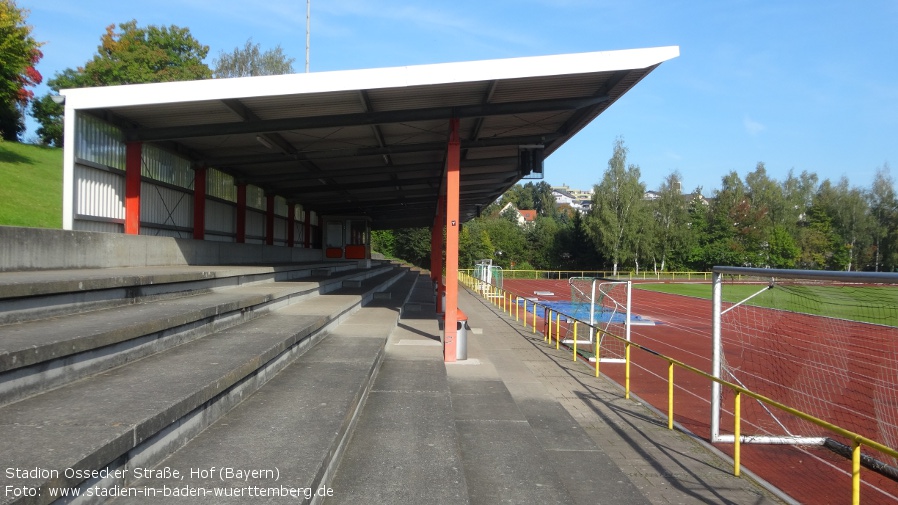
{"x":30,"y":186}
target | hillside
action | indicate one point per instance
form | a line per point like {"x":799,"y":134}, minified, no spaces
{"x":30,"y":185}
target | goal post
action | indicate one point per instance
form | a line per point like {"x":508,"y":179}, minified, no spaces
{"x":488,"y":276}
{"x":606,"y":305}
{"x":824,"y":343}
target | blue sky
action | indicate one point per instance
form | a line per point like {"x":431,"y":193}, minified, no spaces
{"x":798,"y":85}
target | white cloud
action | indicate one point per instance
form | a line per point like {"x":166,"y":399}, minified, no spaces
{"x":752,"y":127}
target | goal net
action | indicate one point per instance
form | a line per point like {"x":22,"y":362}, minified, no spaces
{"x":824,"y":343}
{"x":488,"y":275}
{"x":605,"y":305}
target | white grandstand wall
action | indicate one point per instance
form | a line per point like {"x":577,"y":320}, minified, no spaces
{"x":94,"y":192}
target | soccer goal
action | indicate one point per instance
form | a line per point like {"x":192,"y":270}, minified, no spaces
{"x":824,"y":343}
{"x":488,"y":275}
{"x":605,"y":305}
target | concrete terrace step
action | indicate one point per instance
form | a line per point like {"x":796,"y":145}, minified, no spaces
{"x":138,"y":413}
{"x":297,"y":425}
{"x":43,"y":354}
{"x":29,"y":295}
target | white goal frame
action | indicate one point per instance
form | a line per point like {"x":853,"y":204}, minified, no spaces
{"x":592,"y":304}
{"x":717,"y":346}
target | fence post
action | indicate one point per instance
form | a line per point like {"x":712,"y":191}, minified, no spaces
{"x":670,"y":395}
{"x":737,"y":428}
{"x":856,"y":473}
{"x":557,"y":331}
{"x":627,"y":370}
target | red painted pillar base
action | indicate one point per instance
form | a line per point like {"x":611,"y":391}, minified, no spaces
{"x":133,"y":153}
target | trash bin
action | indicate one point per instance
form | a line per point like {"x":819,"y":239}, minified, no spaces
{"x":461,"y":336}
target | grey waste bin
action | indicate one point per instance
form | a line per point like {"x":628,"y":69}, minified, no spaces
{"x":461,"y":336}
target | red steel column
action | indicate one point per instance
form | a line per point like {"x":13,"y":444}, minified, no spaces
{"x":291,"y":224}
{"x":133,"y":152}
{"x":453,"y":159}
{"x":269,"y":219}
{"x":199,"y":203}
{"x":241,"y":212}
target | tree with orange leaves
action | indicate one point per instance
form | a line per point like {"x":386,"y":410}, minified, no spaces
{"x":19,"y":53}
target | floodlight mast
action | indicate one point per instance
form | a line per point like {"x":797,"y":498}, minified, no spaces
{"x":308,"y":30}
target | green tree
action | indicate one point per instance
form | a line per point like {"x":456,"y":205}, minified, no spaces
{"x":735,"y":234}
{"x":131,"y":56}
{"x":847,"y":209}
{"x":614,"y":219}
{"x":521,"y":196}
{"x":670,"y":219}
{"x":48,"y":113}
{"x":884,"y":213}
{"x":799,"y":194}
{"x":250,"y":60}
{"x":384,"y":242}
{"x":819,"y":245}
{"x":19,"y":53}
{"x":413,"y":246}
{"x":542,"y":244}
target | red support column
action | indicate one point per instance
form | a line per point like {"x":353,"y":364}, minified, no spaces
{"x":453,"y":160}
{"x":133,"y":151}
{"x":436,"y":252}
{"x":291,"y":224}
{"x":241,"y":213}
{"x":307,"y":230}
{"x":199,"y":203}
{"x":269,"y":219}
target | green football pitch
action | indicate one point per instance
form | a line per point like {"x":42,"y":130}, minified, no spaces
{"x":872,"y":304}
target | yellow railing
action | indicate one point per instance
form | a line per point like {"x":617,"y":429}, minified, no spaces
{"x":607,"y":274}
{"x":509,"y":299}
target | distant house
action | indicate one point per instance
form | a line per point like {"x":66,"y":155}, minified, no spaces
{"x":577,"y":199}
{"x":524,"y":217}
{"x":654,"y":195}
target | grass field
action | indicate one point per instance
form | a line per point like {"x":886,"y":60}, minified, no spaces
{"x":30,"y":186}
{"x":871,"y":304}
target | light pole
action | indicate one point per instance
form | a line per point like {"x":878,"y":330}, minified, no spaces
{"x":308,"y":30}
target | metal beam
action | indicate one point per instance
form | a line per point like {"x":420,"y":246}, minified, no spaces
{"x":439,"y":147}
{"x":358,"y":119}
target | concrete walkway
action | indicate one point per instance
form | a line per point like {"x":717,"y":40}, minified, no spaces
{"x":517,"y":422}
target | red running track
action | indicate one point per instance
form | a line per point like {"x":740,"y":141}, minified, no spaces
{"x":808,"y":474}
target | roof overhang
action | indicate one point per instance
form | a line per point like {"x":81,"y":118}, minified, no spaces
{"x":373,"y":142}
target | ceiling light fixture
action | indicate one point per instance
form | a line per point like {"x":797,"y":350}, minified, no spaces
{"x":262,"y":140}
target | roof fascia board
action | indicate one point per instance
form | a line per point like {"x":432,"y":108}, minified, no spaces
{"x":352,"y":80}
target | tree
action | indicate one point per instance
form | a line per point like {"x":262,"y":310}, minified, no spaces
{"x":19,"y":53}
{"x":671,"y":216}
{"x":614,"y":218}
{"x":251,"y":61}
{"x":413,"y":245}
{"x":140,"y":55}
{"x":133,"y":55}
{"x":847,"y":210}
{"x":884,"y":209}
